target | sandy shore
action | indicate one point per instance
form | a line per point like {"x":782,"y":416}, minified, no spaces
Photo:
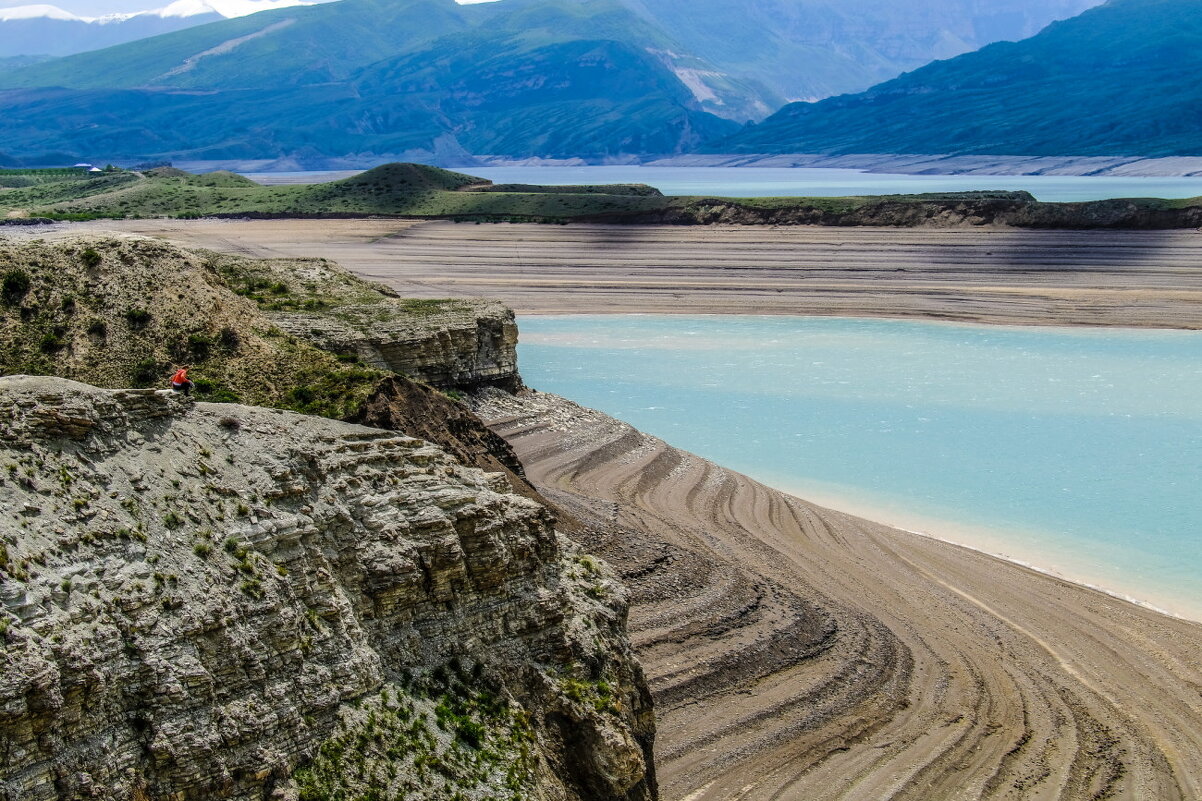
{"x":1130,"y":278}
{"x":800,"y":653}
{"x":797,"y":652}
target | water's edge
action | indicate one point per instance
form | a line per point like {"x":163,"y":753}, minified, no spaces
{"x":1139,"y":558}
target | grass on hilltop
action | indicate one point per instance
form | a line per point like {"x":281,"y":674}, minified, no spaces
{"x":413,"y":191}
{"x":402,"y":190}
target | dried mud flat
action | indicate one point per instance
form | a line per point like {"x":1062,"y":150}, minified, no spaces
{"x":993,"y":275}
{"x":800,"y":653}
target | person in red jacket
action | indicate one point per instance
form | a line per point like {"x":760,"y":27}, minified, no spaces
{"x":180,"y":382}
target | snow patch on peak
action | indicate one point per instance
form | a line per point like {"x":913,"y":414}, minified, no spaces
{"x":226,"y":8}
{"x":36,"y":12}
{"x":177,"y":9}
{"x":185,"y":8}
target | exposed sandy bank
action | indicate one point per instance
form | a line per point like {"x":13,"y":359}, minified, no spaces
{"x":1130,"y":278}
{"x":801,"y":653}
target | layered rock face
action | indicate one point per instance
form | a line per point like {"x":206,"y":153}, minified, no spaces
{"x":463,"y":343}
{"x":469,"y":346}
{"x":198,"y":600}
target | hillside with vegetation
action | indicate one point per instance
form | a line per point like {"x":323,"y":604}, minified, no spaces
{"x":432,"y":79}
{"x":810,"y":49}
{"x":1118,"y":80}
{"x":111,"y":312}
{"x":422,"y":192}
{"x":536,"y":78}
{"x":402,"y":190}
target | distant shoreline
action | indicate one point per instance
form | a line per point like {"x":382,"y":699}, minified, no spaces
{"x":900,"y":164}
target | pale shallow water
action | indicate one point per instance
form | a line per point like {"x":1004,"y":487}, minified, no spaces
{"x":1075,"y":450}
{"x":805,"y":181}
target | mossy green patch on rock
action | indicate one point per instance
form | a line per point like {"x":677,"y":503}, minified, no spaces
{"x":442,"y":735}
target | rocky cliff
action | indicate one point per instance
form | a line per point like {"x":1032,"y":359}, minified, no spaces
{"x":460,"y":343}
{"x":451,"y":344}
{"x":220,"y":601}
{"x":302,"y":334}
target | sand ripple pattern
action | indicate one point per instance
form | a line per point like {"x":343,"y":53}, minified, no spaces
{"x":800,"y":653}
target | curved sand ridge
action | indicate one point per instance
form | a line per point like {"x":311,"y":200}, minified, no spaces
{"x":800,"y":653}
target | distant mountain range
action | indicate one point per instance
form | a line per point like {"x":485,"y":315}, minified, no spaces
{"x":1118,"y":80}
{"x":46,"y":30}
{"x":432,"y":80}
{"x":811,"y":49}
{"x":424,"y":79}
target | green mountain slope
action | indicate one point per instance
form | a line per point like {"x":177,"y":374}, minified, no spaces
{"x":287,"y":47}
{"x":809,"y":49}
{"x":420,"y":191}
{"x":1117,"y":80}
{"x":521,"y":78}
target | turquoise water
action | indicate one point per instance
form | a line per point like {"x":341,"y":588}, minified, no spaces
{"x":805,"y":181}
{"x":1075,"y":450}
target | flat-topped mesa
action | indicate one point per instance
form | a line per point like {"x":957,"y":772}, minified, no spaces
{"x":217,"y":601}
{"x":460,"y":344}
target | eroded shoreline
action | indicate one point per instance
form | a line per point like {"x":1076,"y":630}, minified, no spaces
{"x":798,"y":652}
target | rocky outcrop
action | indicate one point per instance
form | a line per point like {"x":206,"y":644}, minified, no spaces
{"x":214,"y":601}
{"x":449,"y":343}
{"x":399,"y":404}
{"x":464,"y":344}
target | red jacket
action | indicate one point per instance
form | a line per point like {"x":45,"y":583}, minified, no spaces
{"x":181,"y":377}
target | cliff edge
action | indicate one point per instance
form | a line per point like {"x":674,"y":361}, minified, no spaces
{"x":218,"y":601}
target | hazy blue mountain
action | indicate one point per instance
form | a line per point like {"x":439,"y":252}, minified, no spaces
{"x":49,"y":30}
{"x":55,"y":36}
{"x":522,"y":78}
{"x":811,"y":49}
{"x":17,"y":62}
{"x":1120,"y":79}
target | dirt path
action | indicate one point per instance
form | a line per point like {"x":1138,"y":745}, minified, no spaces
{"x":1132,"y":278}
{"x":801,"y":653}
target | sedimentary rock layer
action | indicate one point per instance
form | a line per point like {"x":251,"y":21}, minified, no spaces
{"x":198,"y":599}
{"x":795,"y":652}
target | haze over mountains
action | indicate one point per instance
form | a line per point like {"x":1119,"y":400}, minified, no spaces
{"x":1118,"y":80}
{"x":49,"y":30}
{"x":436,"y":81}
{"x":551,"y":77}
{"x":810,"y":49}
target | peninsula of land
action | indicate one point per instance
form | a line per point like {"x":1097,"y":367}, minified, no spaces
{"x":417,"y":191}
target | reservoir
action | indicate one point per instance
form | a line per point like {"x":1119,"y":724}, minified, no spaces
{"x":1075,"y":450}
{"x":804,"y":181}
